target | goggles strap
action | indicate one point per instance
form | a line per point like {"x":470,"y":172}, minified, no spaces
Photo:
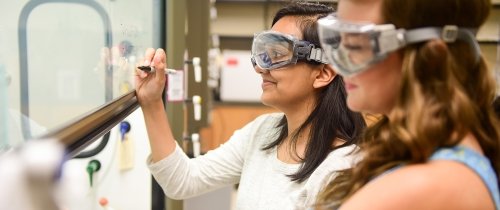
{"x":317,"y":55}
{"x":310,"y":52}
{"x":448,"y":34}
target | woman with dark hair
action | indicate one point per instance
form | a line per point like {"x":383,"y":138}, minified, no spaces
{"x":418,"y":63}
{"x":280,"y":160}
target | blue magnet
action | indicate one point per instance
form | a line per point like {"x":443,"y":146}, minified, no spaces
{"x":124,"y":129}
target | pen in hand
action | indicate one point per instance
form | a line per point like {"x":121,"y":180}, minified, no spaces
{"x":151,"y":69}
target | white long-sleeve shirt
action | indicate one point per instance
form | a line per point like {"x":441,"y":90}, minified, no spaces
{"x":262,"y":179}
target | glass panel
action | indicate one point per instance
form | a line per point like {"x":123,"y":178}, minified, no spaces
{"x":71,"y":81}
{"x":62,"y":59}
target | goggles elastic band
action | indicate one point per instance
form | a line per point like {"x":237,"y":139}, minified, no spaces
{"x":317,"y":54}
{"x":448,"y":33}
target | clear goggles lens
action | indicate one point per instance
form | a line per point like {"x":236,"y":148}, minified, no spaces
{"x":352,"y":48}
{"x":271,"y":50}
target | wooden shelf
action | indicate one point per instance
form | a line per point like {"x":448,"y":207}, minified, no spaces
{"x":227,"y":118}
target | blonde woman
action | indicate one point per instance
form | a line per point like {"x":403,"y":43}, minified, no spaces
{"x":418,"y":64}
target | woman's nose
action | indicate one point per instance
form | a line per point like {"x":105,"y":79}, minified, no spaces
{"x":259,"y":70}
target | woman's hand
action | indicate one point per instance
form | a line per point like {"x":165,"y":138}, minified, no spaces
{"x":149,"y":86}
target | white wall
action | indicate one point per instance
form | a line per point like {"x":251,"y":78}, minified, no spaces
{"x":125,"y":189}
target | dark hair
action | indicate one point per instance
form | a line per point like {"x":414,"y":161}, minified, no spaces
{"x":307,"y":14}
{"x":331,"y":118}
{"x":496,"y":106}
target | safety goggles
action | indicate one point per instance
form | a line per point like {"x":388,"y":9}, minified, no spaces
{"x":353,"y":47}
{"x":273,"y":50}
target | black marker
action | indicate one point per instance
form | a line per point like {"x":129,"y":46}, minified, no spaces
{"x":151,"y":69}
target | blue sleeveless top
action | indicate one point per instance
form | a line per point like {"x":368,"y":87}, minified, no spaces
{"x":477,"y":162}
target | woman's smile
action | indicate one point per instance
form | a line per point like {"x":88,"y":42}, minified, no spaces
{"x":267,"y":82}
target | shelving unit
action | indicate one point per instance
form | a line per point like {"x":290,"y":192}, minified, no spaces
{"x":489,"y":32}
{"x":254,"y":15}
{"x":489,"y":37}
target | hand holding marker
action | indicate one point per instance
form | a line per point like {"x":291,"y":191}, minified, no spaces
{"x":195,"y":62}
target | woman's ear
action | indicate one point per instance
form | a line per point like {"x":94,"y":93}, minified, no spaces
{"x":324,"y":77}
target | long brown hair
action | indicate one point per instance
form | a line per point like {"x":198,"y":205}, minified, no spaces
{"x":445,"y":94}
